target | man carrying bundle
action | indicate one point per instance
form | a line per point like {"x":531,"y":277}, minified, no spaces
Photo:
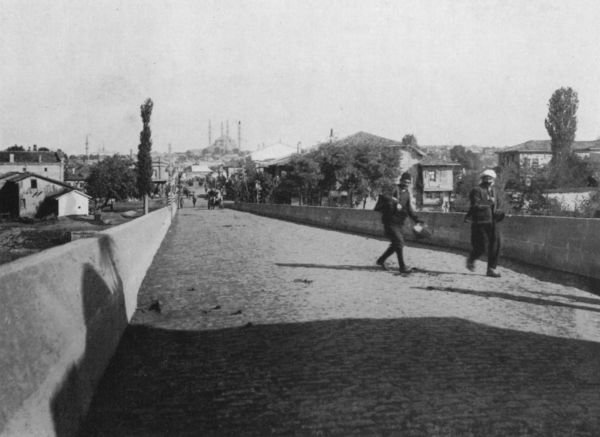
{"x":394,"y":212}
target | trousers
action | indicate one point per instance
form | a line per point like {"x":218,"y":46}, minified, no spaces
{"x":482,"y":235}
{"x":394,"y":234}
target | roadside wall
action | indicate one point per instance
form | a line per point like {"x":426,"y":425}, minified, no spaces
{"x":62,"y":315}
{"x":560,"y":243}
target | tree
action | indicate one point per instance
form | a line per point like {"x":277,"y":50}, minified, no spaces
{"x":112,"y":177}
{"x":561,"y":123}
{"x":363,"y":170}
{"x":409,"y":140}
{"x":15,"y":148}
{"x":304,"y":178}
{"x":144,"y":164}
{"x":467,"y":158}
{"x":571,"y":172}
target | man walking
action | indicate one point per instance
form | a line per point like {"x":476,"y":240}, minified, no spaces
{"x":394,"y":212}
{"x":485,"y":214}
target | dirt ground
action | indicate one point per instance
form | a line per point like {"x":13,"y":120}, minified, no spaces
{"x":19,"y":239}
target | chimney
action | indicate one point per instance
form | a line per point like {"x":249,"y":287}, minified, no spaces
{"x":11,"y":157}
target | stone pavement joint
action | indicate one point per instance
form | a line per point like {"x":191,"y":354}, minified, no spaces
{"x":274,"y":328}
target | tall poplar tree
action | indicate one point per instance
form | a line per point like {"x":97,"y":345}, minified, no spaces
{"x":561,"y":123}
{"x":144,"y":164}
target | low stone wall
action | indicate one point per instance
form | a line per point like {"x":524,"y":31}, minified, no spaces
{"x":566,"y":244}
{"x":62,"y":315}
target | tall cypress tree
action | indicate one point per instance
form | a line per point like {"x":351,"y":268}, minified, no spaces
{"x":144,"y":164}
{"x":561,"y":123}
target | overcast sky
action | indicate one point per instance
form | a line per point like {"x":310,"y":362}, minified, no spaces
{"x":450,"y":72}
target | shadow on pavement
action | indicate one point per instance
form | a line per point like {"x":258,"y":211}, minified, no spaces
{"x":517,"y":298}
{"x":541,"y":274}
{"x":373,"y":268}
{"x":425,"y":376}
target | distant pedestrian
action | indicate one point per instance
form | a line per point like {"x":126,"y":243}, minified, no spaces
{"x":485,"y":213}
{"x":194,"y":199}
{"x":180,"y":201}
{"x":394,"y":212}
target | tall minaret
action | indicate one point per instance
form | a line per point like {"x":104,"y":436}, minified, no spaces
{"x":209,"y":134}
{"x":226,"y":142}
{"x":239,"y":135}
{"x":87,"y":147}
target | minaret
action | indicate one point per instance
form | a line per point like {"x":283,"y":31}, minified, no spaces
{"x":226,"y":142}
{"x":239,"y":135}
{"x":209,"y":134}
{"x":87,"y":147}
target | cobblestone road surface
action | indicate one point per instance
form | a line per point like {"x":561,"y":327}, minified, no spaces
{"x":273,"y":328}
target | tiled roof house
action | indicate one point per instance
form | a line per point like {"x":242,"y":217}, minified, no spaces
{"x":48,"y":164}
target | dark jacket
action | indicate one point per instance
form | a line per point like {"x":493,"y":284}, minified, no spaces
{"x":486,"y":205}
{"x":394,"y":211}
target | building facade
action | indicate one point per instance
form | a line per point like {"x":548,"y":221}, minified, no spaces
{"x":47,"y":164}
{"x":526,"y":158}
{"x":32,"y":195}
{"x":435,"y":184}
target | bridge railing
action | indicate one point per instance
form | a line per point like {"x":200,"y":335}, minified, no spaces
{"x":62,"y":315}
{"x":559,"y":243}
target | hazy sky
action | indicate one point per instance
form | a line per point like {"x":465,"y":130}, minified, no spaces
{"x":450,"y":72}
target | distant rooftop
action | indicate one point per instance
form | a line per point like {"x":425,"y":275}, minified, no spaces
{"x":365,"y":138}
{"x":30,"y":156}
{"x":429,"y":161}
{"x":544,"y":146}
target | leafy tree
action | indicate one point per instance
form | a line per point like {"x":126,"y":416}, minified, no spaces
{"x":303,"y":178}
{"x":409,"y":140}
{"x":112,"y":177}
{"x":363,"y":170}
{"x":15,"y":148}
{"x":467,"y":158}
{"x":144,"y":164}
{"x":333,"y":164}
{"x":572,"y":172}
{"x":561,"y":122}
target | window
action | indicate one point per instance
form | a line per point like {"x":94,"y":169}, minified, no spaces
{"x":46,"y":169}
{"x":535,"y":163}
{"x":431,"y":175}
{"x":23,"y":204}
{"x":24,"y":169}
{"x":525,"y":162}
{"x":34,"y":183}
